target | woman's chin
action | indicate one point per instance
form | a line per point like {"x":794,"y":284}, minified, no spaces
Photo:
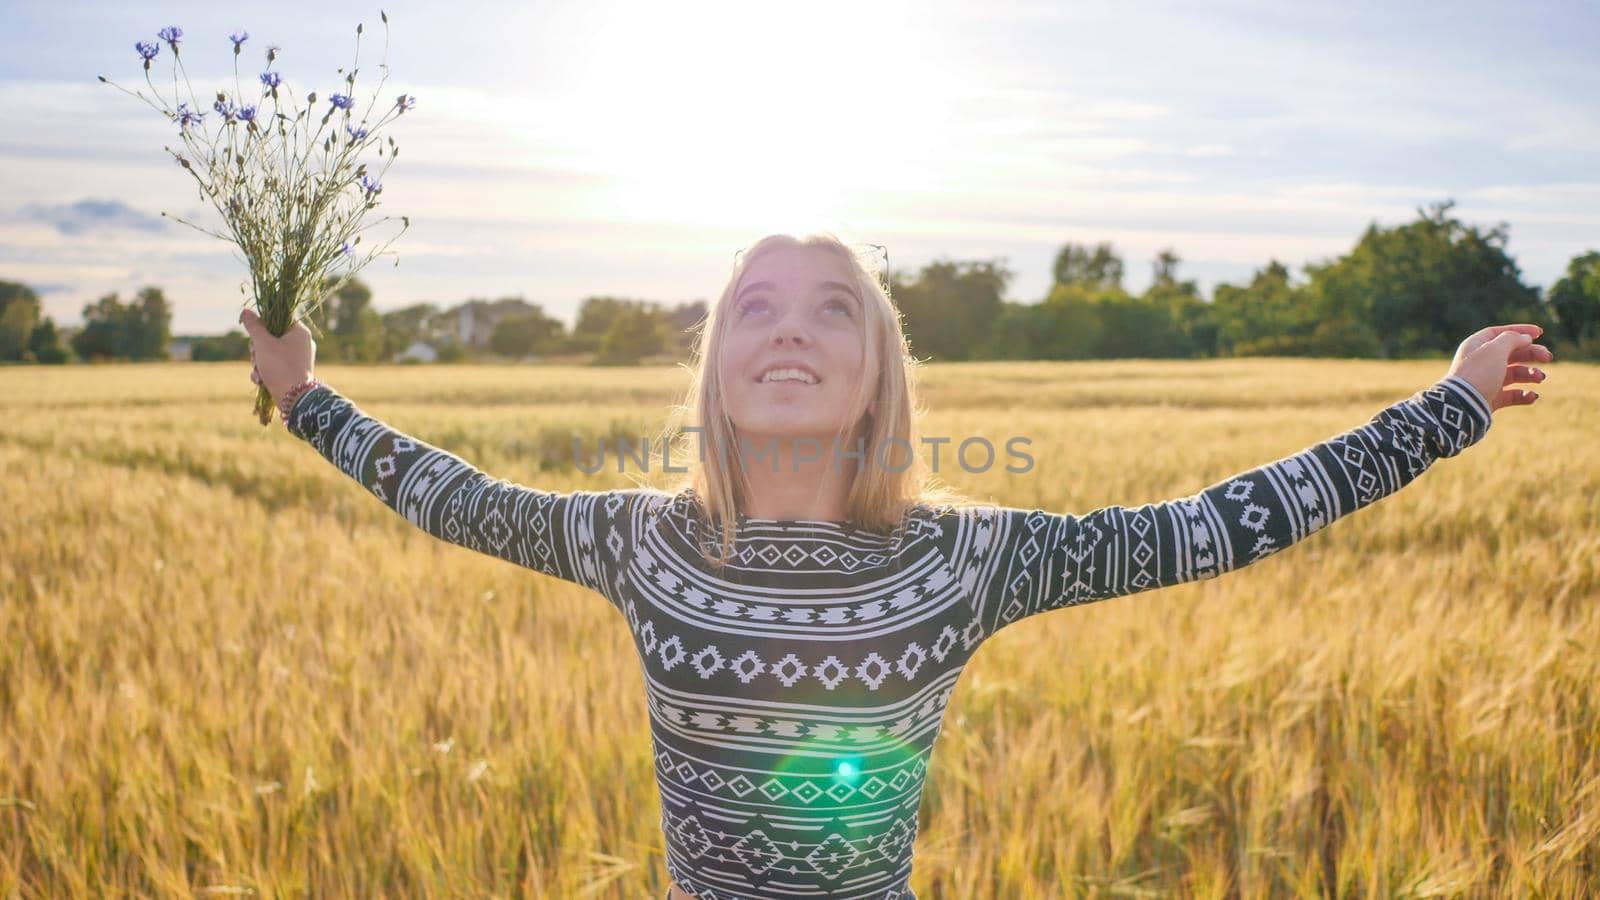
{"x":790,"y":433}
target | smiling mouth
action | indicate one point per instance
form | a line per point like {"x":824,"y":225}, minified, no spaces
{"x":791,"y":376}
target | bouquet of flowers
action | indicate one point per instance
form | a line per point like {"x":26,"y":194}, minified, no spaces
{"x":292,"y":191}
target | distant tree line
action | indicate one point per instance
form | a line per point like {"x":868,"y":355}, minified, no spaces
{"x":608,"y":330}
{"x":1412,"y":290}
{"x":138,"y":330}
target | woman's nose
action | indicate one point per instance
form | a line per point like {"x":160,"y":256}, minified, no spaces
{"x":790,"y":331}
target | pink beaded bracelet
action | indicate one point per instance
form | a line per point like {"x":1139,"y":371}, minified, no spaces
{"x":287,"y":401}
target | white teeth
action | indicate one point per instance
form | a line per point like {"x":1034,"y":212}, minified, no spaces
{"x":789,"y":375}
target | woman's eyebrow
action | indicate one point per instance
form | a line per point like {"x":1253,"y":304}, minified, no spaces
{"x":755,"y":286}
{"x":835,"y":285}
{"x":838,"y":285}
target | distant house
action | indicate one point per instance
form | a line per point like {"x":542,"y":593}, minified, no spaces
{"x":419,"y":351}
{"x":474,"y":323}
{"x":475,"y":319}
{"x":180,"y":351}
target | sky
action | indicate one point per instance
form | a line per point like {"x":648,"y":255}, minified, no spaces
{"x":560,"y":150}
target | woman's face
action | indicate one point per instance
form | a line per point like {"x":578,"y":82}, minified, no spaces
{"x":796,"y":308}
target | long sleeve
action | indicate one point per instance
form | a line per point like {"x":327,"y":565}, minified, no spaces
{"x":580,"y":536}
{"x":1019,"y":562}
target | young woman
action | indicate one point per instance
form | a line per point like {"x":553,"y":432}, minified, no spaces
{"x":805,"y":601}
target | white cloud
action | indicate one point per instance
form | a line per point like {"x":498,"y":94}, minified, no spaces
{"x":90,"y":214}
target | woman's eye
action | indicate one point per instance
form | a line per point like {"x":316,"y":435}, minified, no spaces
{"x":753,"y":305}
{"x":841,"y":305}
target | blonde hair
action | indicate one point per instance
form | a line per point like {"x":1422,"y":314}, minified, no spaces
{"x":879,"y":494}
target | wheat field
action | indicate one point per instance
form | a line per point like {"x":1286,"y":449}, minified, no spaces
{"x":227,"y":670}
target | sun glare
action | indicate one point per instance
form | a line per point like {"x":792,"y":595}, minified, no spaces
{"x":728,"y":113}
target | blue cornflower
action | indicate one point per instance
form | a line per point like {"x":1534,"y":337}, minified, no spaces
{"x":147,"y":50}
{"x":186,"y":117}
{"x":342,"y":101}
{"x":171,"y":34}
{"x":356,"y":134}
{"x":405,"y":102}
{"x":372,"y":185}
{"x":247,"y":113}
{"x":226,"y":110}
{"x":271,"y":79}
{"x":347,"y":250}
{"x":238,"y":37}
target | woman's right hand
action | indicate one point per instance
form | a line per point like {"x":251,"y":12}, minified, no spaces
{"x":1495,"y":358}
{"x":280,"y":363}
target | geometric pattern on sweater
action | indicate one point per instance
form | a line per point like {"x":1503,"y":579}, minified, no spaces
{"x":796,"y":694}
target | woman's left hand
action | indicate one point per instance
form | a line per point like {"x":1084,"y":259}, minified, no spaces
{"x":1498,"y":356}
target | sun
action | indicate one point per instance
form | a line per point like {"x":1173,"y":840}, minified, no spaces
{"x":726,"y":114}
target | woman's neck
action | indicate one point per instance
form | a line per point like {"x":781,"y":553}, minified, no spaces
{"x":800,"y":488}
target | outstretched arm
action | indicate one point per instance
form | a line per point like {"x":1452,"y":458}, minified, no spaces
{"x":579,"y":536}
{"x":582,"y":536}
{"x":1020,"y":562}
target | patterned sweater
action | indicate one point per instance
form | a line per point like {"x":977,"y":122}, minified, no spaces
{"x":795,"y":696}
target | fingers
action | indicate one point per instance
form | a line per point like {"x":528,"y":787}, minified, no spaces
{"x":1518,"y":374}
{"x":1493,"y":333}
{"x":1532,"y":353}
{"x":1515,"y":397}
{"x":1490,"y":332}
{"x":1532,"y":331}
{"x":1512,"y":343}
{"x":252,"y":323}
